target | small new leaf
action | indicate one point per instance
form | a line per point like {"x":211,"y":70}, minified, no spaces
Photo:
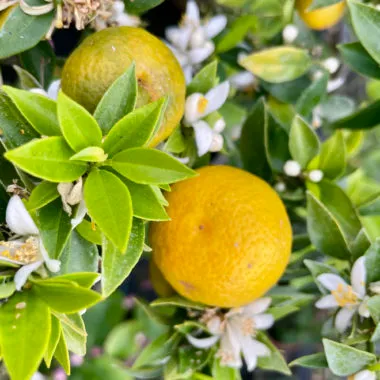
{"x":90,"y":154}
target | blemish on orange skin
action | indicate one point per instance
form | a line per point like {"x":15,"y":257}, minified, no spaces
{"x":189,"y":287}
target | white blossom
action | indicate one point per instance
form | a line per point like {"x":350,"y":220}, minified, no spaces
{"x":236,"y":332}
{"x":292,"y":168}
{"x":191,"y":41}
{"x":52,"y":91}
{"x":242,"y":81}
{"x":349,"y":299}
{"x":290,"y":33}
{"x":26,"y":248}
{"x":331,"y":64}
{"x":365,"y":375}
{"x":315,"y":175}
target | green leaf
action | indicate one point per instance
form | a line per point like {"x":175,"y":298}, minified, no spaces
{"x":221,"y":372}
{"x":324,"y":230}
{"x":332,"y":159}
{"x":43,"y":194}
{"x":366,"y":20}
{"x":78,"y":126}
{"x":186,"y":355}
{"x":47,"y":159}
{"x":27,"y":80}
{"x":65,"y":297}
{"x":24,"y":318}
{"x":62,"y":354}
{"x":79,"y":255}
{"x":275,"y":361}
{"x":82,"y":279}
{"x":118,"y":100}
{"x":89,"y":231}
{"x":39,"y":110}
{"x":110,"y":206}
{"x":236,"y":33}
{"x":153,"y":314}
{"x":360,"y":244}
{"x":204,"y":80}
{"x":74,"y":333}
{"x":372,"y":262}
{"x":312,"y":96}
{"x":90,"y":154}
{"x":21,"y":32}
{"x":145,"y":203}
{"x":345,"y":360}
{"x":176,"y":142}
{"x":7,"y":289}
{"x":252,"y":142}
{"x":116,"y":265}
{"x":374,"y":307}
{"x":178,"y":302}
{"x":55,"y":335}
{"x":311,"y":361}
{"x":336,"y":107}
{"x":339,"y":204}
{"x":150,"y":166}
{"x":370,"y":208}
{"x":376,"y":334}
{"x":135,"y":129}
{"x":359,"y":60}
{"x":279,"y":64}
{"x":303,"y":142}
{"x":365,"y":118}
{"x":317,"y":4}
{"x":55,"y":228}
{"x":141,"y":6}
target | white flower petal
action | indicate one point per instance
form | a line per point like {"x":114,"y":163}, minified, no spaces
{"x":203,"y":137}
{"x":24,"y":272}
{"x":213,"y":325}
{"x":263,"y":321}
{"x":38,"y":91}
{"x":217,"y":143}
{"x":331,"y":281}
{"x":215,"y":25}
{"x":18,"y":218}
{"x":188,"y":73}
{"x":365,"y":375}
{"x":363,"y":310}
{"x":326,"y":302}
{"x":192,"y":113}
{"x":243,"y":80}
{"x":192,"y":13}
{"x":198,"y":55}
{"x":260,"y":349}
{"x":358,"y":276}
{"x":53,"y":265}
{"x":179,"y":37}
{"x":80,"y":214}
{"x":229,"y":350}
{"x":202,"y":343}
{"x":53,"y":89}
{"x":258,"y":306}
{"x":217,"y":97}
{"x":343,"y":319}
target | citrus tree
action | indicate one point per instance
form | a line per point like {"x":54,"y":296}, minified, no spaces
{"x":191,"y":203}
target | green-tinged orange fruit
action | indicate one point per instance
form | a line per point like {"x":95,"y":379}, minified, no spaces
{"x":229,"y":238}
{"x":322,"y":18}
{"x":105,"y":55}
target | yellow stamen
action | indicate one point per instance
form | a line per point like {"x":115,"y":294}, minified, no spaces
{"x":93,"y":226}
{"x":202,"y":105}
{"x":24,"y":253}
{"x":344,"y":295}
{"x":248,"y":326}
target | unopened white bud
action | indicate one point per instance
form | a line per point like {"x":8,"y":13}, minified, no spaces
{"x":331,"y":64}
{"x":280,"y":187}
{"x":219,"y":125}
{"x":317,"y":74}
{"x":290,"y":33}
{"x":315,"y":175}
{"x":217,"y":143}
{"x":292,"y":168}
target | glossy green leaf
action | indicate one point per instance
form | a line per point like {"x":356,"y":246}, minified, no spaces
{"x":89,"y":231}
{"x":176,"y":142}
{"x":74,"y":333}
{"x":204,"y":80}
{"x":345,"y":360}
{"x":359,"y":60}
{"x":252,"y":142}
{"x":55,"y":335}
{"x":324,"y":230}
{"x":303,"y":142}
{"x":27,"y":80}
{"x":311,"y":361}
{"x":43,"y":194}
{"x":365,"y":118}
{"x":65,"y":297}
{"x":373,"y":304}
{"x":366,"y":22}
{"x":21,"y":31}
{"x":312,"y":96}
{"x":24,"y":319}
{"x":7,"y":289}
{"x":221,"y":372}
{"x":332,"y":159}
{"x":360,"y":244}
{"x":90,"y":154}
{"x":336,"y":107}
{"x":116,"y":265}
{"x":55,"y":227}
{"x":110,"y":206}
{"x":279,"y":64}
{"x":79,"y":255}
{"x":135,"y":129}
{"x":141,"y":6}
{"x":48,"y":159}
{"x":62,"y":354}
{"x":145,"y":203}
{"x":150,"y":166}
{"x":39,"y":110}
{"x":82,"y":279}
{"x":78,"y":126}
{"x":372,"y":262}
{"x":118,"y":100}
{"x":179,"y":302}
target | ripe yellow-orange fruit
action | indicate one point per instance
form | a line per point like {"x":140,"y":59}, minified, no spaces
{"x":322,"y":18}
{"x":105,"y":55}
{"x":229,"y":238}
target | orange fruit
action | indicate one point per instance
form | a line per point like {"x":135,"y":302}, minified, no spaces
{"x":105,"y":55}
{"x":229,"y":238}
{"x":322,"y":18}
